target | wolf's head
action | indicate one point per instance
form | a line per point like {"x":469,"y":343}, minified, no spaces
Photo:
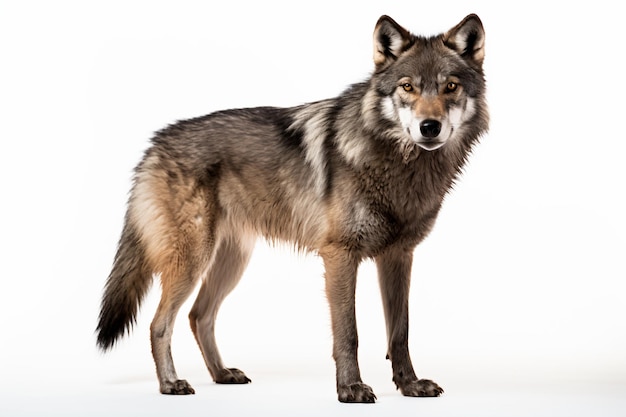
{"x":430,"y":89}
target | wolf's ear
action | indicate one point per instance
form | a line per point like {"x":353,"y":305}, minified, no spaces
{"x":390,"y":40}
{"x":468,"y":40}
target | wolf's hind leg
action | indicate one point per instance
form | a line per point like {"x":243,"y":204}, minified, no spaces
{"x":229,"y":263}
{"x":176,"y":289}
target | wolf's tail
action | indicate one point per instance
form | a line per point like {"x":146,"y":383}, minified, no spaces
{"x":125,"y":288}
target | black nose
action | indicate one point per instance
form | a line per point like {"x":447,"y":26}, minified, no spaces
{"x":430,"y":128}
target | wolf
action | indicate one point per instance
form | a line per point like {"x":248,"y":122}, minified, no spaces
{"x":359,"y":176}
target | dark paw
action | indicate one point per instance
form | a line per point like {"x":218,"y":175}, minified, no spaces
{"x":231,"y":376}
{"x":356,"y":393}
{"x":179,"y":387}
{"x":421,"y":388}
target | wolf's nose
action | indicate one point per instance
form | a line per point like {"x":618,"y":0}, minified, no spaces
{"x":430,"y":128}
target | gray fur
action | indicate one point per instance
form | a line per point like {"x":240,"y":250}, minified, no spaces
{"x":354,"y":177}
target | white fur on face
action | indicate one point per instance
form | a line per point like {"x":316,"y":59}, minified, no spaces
{"x":410,"y":123}
{"x":459,"y":115}
{"x":411,"y":126}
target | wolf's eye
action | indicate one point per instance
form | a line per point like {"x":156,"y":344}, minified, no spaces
{"x":407,"y":87}
{"x":451,"y":87}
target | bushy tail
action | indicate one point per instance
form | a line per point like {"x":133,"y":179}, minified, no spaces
{"x":125,"y":289}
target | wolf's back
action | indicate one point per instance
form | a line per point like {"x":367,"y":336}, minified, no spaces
{"x":124,"y":290}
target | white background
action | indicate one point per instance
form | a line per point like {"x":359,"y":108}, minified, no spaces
{"x":518,"y":299}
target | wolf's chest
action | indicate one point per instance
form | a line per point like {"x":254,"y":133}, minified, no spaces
{"x":369,"y":228}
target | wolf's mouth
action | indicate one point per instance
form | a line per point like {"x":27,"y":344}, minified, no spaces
{"x":430,"y":145}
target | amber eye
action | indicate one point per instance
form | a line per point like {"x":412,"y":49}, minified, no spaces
{"x":451,"y":87}
{"x":407,"y":87}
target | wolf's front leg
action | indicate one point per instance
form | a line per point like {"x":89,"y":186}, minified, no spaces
{"x":394,"y":272}
{"x":341,"y":270}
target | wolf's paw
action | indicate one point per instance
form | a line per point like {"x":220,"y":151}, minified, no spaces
{"x":420,"y":388}
{"x":356,"y":393}
{"x":178,"y":387}
{"x":231,"y":376}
